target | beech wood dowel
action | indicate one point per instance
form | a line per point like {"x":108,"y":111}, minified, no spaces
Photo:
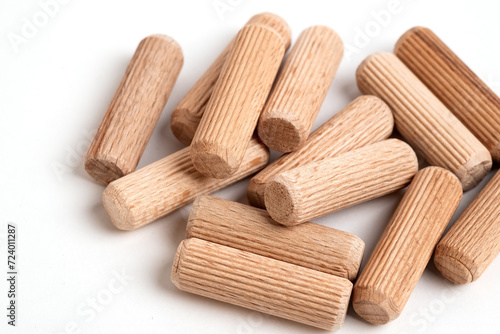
{"x":262,"y":284}
{"x":423,"y":120}
{"x":300,"y":89}
{"x":158,"y":189}
{"x":473,"y":242}
{"x":135,"y":109}
{"x":365,"y":120}
{"x":453,"y":82}
{"x":317,"y":188}
{"x":187,"y":114}
{"x":250,"y":229}
{"x":236,"y":102}
{"x":402,"y":253}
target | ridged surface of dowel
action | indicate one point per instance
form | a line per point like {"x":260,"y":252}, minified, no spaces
{"x":405,"y":247}
{"x":250,"y":229}
{"x":365,"y":120}
{"x":187,"y":114}
{"x":262,"y":284}
{"x":132,"y":115}
{"x":168,"y":184}
{"x":317,"y":188}
{"x":300,"y":89}
{"x":460,"y":89}
{"x":473,"y":242}
{"x":233,"y":110}
{"x":423,"y":120}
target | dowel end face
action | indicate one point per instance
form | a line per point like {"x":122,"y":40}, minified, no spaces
{"x":118,"y":209}
{"x":274,"y":22}
{"x":281,"y":201}
{"x":409,"y":33}
{"x":451,"y":267}
{"x":182,"y":126}
{"x":374,"y":306}
{"x":103,"y":169}
{"x":174,"y":276}
{"x":174,"y":47}
{"x":474,"y":170}
{"x":255,"y":193}
{"x":281,"y":134}
{"x":214,"y":160}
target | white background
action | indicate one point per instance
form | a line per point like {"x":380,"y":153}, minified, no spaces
{"x":54,"y":91}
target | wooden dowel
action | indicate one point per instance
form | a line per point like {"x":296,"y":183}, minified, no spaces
{"x":460,"y":89}
{"x":473,"y":242}
{"x":158,"y":189}
{"x":317,"y":188}
{"x":365,"y":120}
{"x":132,"y":115}
{"x":250,"y":229}
{"x":402,"y":253}
{"x":236,"y":102}
{"x":423,"y":120}
{"x":300,"y":89}
{"x":262,"y":284}
{"x":187,"y":115}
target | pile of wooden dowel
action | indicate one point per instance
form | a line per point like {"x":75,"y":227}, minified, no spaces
{"x":267,"y":256}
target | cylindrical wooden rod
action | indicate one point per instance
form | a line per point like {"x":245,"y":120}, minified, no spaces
{"x":365,"y":120}
{"x":250,"y":229}
{"x":233,"y":110}
{"x":460,"y":89}
{"x":132,"y":115}
{"x":473,"y":241}
{"x":259,"y":283}
{"x":187,"y":115}
{"x":300,"y":89}
{"x":403,"y":251}
{"x":168,"y":184}
{"x":317,"y":188}
{"x":423,"y":120}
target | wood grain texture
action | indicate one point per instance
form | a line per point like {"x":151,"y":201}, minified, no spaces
{"x":365,"y":120}
{"x":132,"y":115}
{"x":236,"y":102}
{"x":187,"y":115}
{"x":404,"y":249}
{"x":317,"y":188}
{"x":473,"y":242}
{"x":423,"y":120}
{"x":261,"y":284}
{"x":300,"y":89}
{"x":460,"y":89}
{"x":250,"y":229}
{"x":160,"y":188}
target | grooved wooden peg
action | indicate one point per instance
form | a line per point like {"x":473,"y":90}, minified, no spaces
{"x":473,"y":241}
{"x":402,"y":253}
{"x":262,"y":284}
{"x":187,"y":115}
{"x":300,"y":89}
{"x":250,"y":229}
{"x":236,"y":102}
{"x":460,"y":89}
{"x":168,"y":184}
{"x":423,"y":120}
{"x":365,"y":120}
{"x":132,"y":115}
{"x":317,"y":188}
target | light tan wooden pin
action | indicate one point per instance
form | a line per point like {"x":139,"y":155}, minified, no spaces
{"x":250,"y":229}
{"x":262,"y":284}
{"x":300,"y":89}
{"x":317,"y":188}
{"x":365,"y":120}
{"x":460,"y":89}
{"x":187,"y":115}
{"x":423,"y":120}
{"x":236,"y":102}
{"x":473,"y":242}
{"x":132,"y":115}
{"x":402,"y":253}
{"x":158,"y":189}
